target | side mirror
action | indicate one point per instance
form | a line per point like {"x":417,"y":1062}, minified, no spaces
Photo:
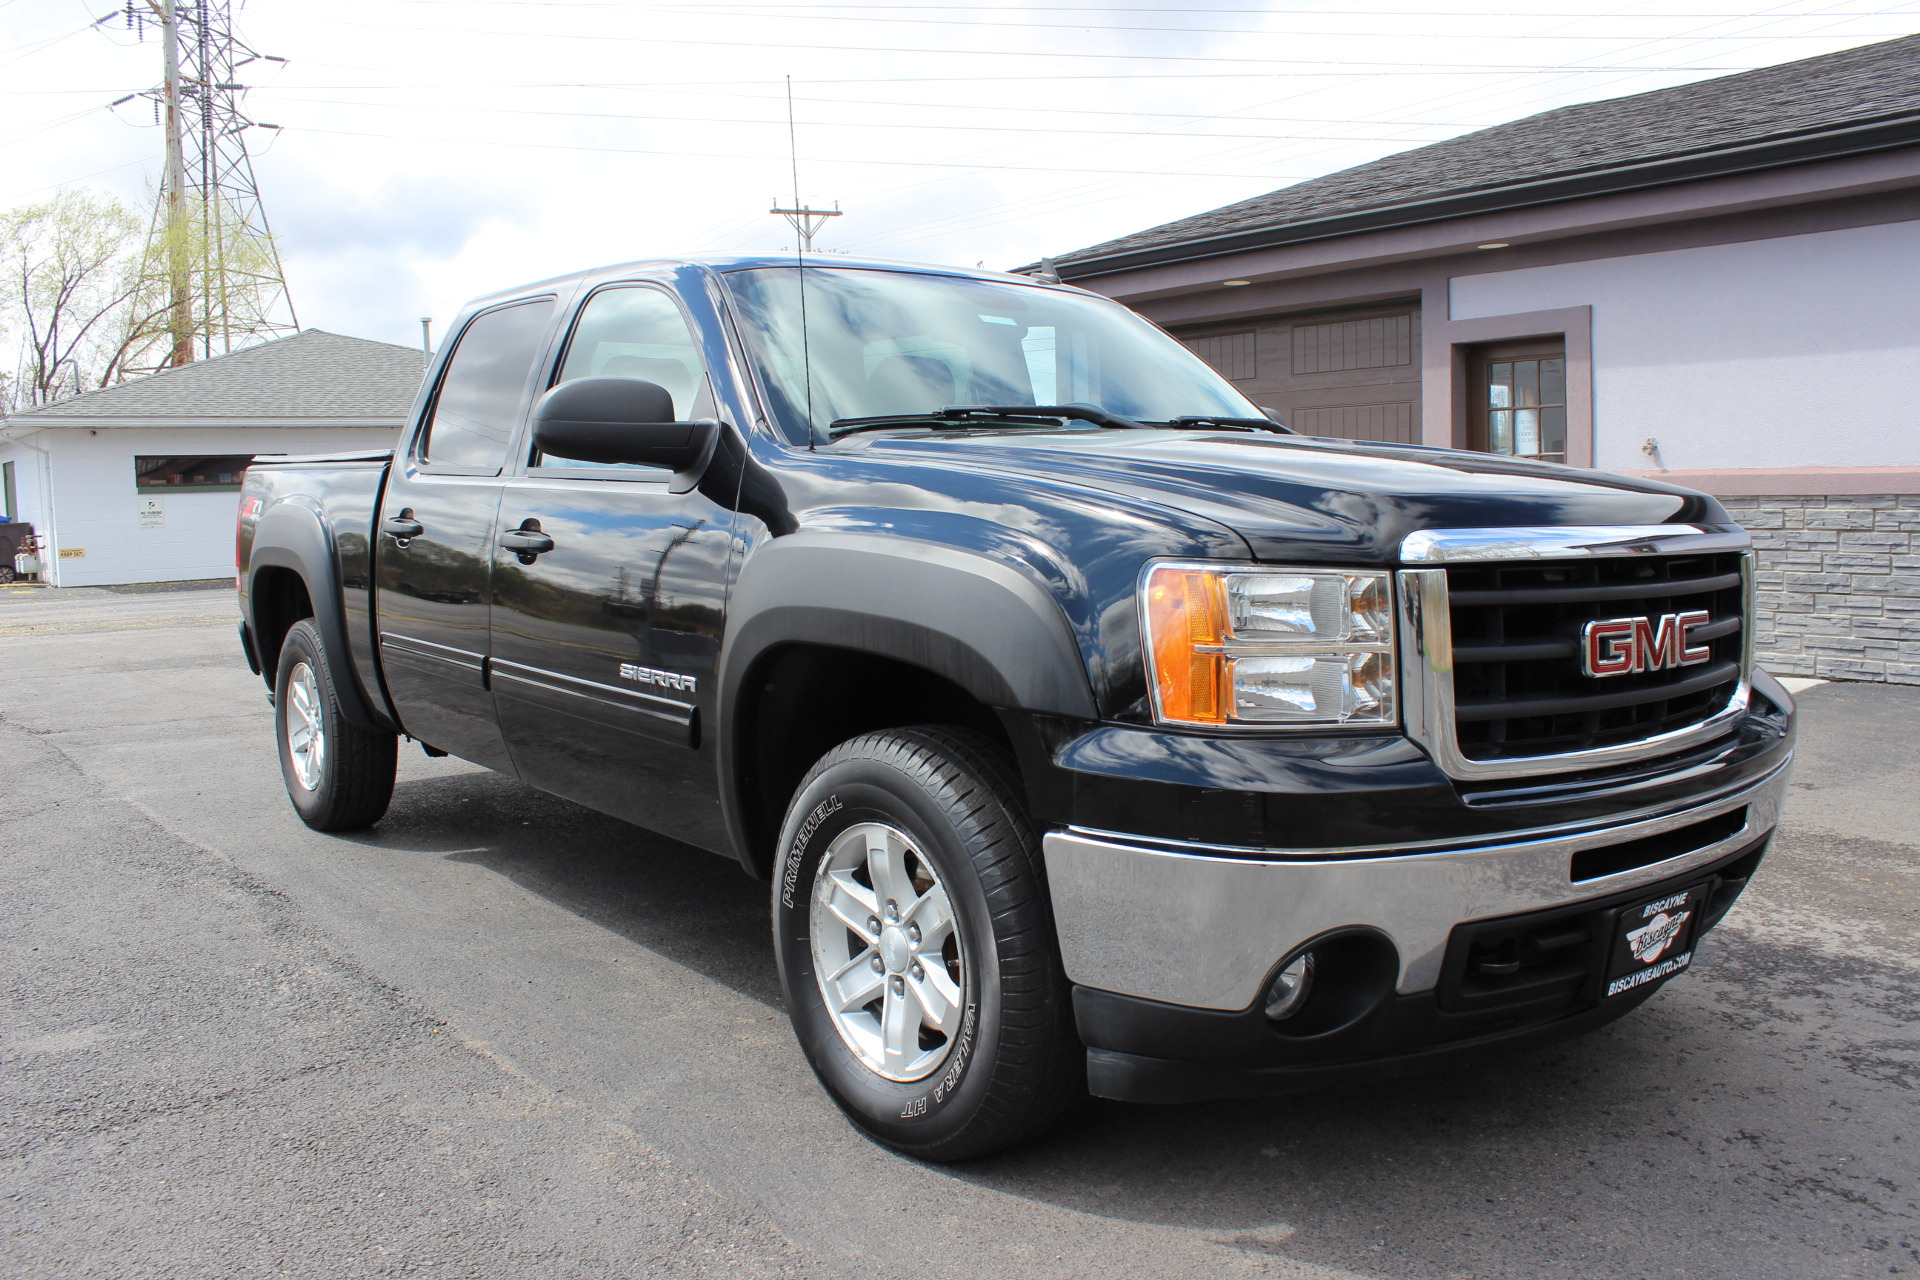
{"x":622,"y":420}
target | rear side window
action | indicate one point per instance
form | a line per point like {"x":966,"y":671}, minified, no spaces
{"x":479,"y":402}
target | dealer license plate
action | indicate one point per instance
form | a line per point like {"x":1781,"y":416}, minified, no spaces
{"x":1654,"y":940}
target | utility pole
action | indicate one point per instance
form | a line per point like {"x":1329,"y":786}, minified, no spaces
{"x":806,"y":223}
{"x":173,"y":198}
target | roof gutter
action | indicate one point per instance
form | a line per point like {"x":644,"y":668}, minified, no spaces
{"x":1773,"y":153}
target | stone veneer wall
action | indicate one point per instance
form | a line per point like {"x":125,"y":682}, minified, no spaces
{"x":1839,"y":584}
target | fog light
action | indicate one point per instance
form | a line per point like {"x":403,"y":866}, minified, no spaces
{"x":1290,"y":987}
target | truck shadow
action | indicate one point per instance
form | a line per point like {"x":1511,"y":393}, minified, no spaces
{"x":1653,"y":1146}
{"x":690,"y":906}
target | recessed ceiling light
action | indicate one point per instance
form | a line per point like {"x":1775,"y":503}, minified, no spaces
{"x":1496,"y":244}
{"x":1235,"y":284}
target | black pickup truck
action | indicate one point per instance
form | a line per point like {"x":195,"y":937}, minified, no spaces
{"x":1094,"y":732}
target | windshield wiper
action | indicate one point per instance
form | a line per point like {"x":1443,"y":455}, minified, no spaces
{"x":1214,"y":420}
{"x":1019,"y":414}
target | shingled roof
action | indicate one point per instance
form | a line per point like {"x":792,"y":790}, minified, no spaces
{"x":1843,"y":103}
{"x":312,"y":375}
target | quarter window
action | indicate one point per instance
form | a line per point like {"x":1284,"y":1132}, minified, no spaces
{"x":478,"y":407}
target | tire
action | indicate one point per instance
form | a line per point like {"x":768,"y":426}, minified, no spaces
{"x":967,"y":1046}
{"x":347,"y":782}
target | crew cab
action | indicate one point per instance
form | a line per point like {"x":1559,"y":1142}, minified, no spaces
{"x":1094,"y":732}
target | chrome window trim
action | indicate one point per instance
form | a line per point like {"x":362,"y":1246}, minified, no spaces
{"x":1205,"y":932}
{"x":1426,"y":635}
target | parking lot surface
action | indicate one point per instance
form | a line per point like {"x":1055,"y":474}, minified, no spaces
{"x":502,"y":1036}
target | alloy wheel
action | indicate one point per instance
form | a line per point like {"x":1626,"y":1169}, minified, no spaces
{"x":306,"y":727}
{"x":886,"y":953}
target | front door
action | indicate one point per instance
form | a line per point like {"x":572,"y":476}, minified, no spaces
{"x":436,"y":532}
{"x":606,"y":647}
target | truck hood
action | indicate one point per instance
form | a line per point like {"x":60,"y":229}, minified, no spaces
{"x":1308,"y":497}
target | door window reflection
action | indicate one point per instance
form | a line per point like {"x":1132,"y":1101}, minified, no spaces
{"x":635,"y":332}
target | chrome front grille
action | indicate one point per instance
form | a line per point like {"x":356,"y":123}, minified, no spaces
{"x":1518,"y":687}
{"x":1492,"y":639}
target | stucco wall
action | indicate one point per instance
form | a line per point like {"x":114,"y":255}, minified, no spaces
{"x":96,"y":506}
{"x":1796,"y":351}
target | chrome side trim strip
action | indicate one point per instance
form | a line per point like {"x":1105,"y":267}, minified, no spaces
{"x":1426,"y":637}
{"x":1205,"y":931}
{"x":1568,"y":542}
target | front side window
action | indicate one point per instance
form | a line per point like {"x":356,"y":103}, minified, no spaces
{"x":479,"y":402}
{"x":886,"y":342}
{"x":635,"y":332}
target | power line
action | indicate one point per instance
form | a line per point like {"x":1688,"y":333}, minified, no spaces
{"x":891,"y":16}
{"x":1362,"y":67}
{"x":847,"y":124}
{"x":806,"y":9}
{"x":720,"y":155}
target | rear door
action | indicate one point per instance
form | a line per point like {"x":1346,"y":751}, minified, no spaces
{"x":436,"y":535}
{"x":605,"y":647}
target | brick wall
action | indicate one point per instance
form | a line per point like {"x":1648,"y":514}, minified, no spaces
{"x":1839,"y":584}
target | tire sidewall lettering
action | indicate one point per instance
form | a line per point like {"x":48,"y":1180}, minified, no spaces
{"x":796,"y":857}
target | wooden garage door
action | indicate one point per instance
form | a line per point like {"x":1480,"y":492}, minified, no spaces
{"x":1352,"y":373}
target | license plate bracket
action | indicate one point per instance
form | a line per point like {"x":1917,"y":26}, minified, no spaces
{"x":1653,"y":939}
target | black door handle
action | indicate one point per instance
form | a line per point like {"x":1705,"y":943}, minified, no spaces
{"x":527,"y":541}
{"x":402,"y":526}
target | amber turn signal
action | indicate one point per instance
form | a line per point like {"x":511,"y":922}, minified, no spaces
{"x":1186,"y":626}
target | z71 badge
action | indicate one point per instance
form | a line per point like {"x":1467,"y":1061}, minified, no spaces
{"x":664,"y":679}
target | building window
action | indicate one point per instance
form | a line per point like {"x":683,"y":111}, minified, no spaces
{"x":220,"y":472}
{"x":1521,"y":401}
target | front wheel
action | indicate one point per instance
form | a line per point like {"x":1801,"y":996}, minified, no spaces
{"x":916,"y":946}
{"x":338,"y":775}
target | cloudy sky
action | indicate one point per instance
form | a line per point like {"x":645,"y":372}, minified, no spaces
{"x":435,"y":149}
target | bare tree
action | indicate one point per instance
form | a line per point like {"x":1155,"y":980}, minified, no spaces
{"x":70,"y":275}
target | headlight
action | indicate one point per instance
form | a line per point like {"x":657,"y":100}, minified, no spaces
{"x":1269,"y":646}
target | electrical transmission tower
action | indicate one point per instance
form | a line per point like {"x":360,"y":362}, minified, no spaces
{"x":212,"y":263}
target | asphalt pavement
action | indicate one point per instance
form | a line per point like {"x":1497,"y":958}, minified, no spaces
{"x":502,"y":1036}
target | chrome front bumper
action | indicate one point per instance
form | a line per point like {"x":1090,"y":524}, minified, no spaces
{"x":1203,"y":926}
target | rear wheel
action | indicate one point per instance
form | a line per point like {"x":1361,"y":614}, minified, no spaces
{"x":338,"y":775}
{"x":916,"y":946}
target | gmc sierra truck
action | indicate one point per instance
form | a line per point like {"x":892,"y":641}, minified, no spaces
{"x":1094,"y":732}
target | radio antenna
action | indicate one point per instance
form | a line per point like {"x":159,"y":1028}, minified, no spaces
{"x":805,"y":222}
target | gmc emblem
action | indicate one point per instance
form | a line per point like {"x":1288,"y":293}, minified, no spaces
{"x":1627,"y":646}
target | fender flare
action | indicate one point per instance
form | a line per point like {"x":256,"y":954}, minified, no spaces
{"x":986,"y":625}
{"x":292,"y":535}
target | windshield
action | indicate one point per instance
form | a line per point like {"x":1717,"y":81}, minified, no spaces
{"x":887,"y":342}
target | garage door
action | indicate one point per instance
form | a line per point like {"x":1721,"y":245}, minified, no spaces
{"x":1352,"y":373}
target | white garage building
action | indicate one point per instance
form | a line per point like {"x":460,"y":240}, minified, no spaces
{"x":139,"y":482}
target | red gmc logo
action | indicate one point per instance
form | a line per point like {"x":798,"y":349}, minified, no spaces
{"x":1627,"y":646}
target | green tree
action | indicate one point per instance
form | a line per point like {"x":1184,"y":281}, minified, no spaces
{"x":71,"y":274}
